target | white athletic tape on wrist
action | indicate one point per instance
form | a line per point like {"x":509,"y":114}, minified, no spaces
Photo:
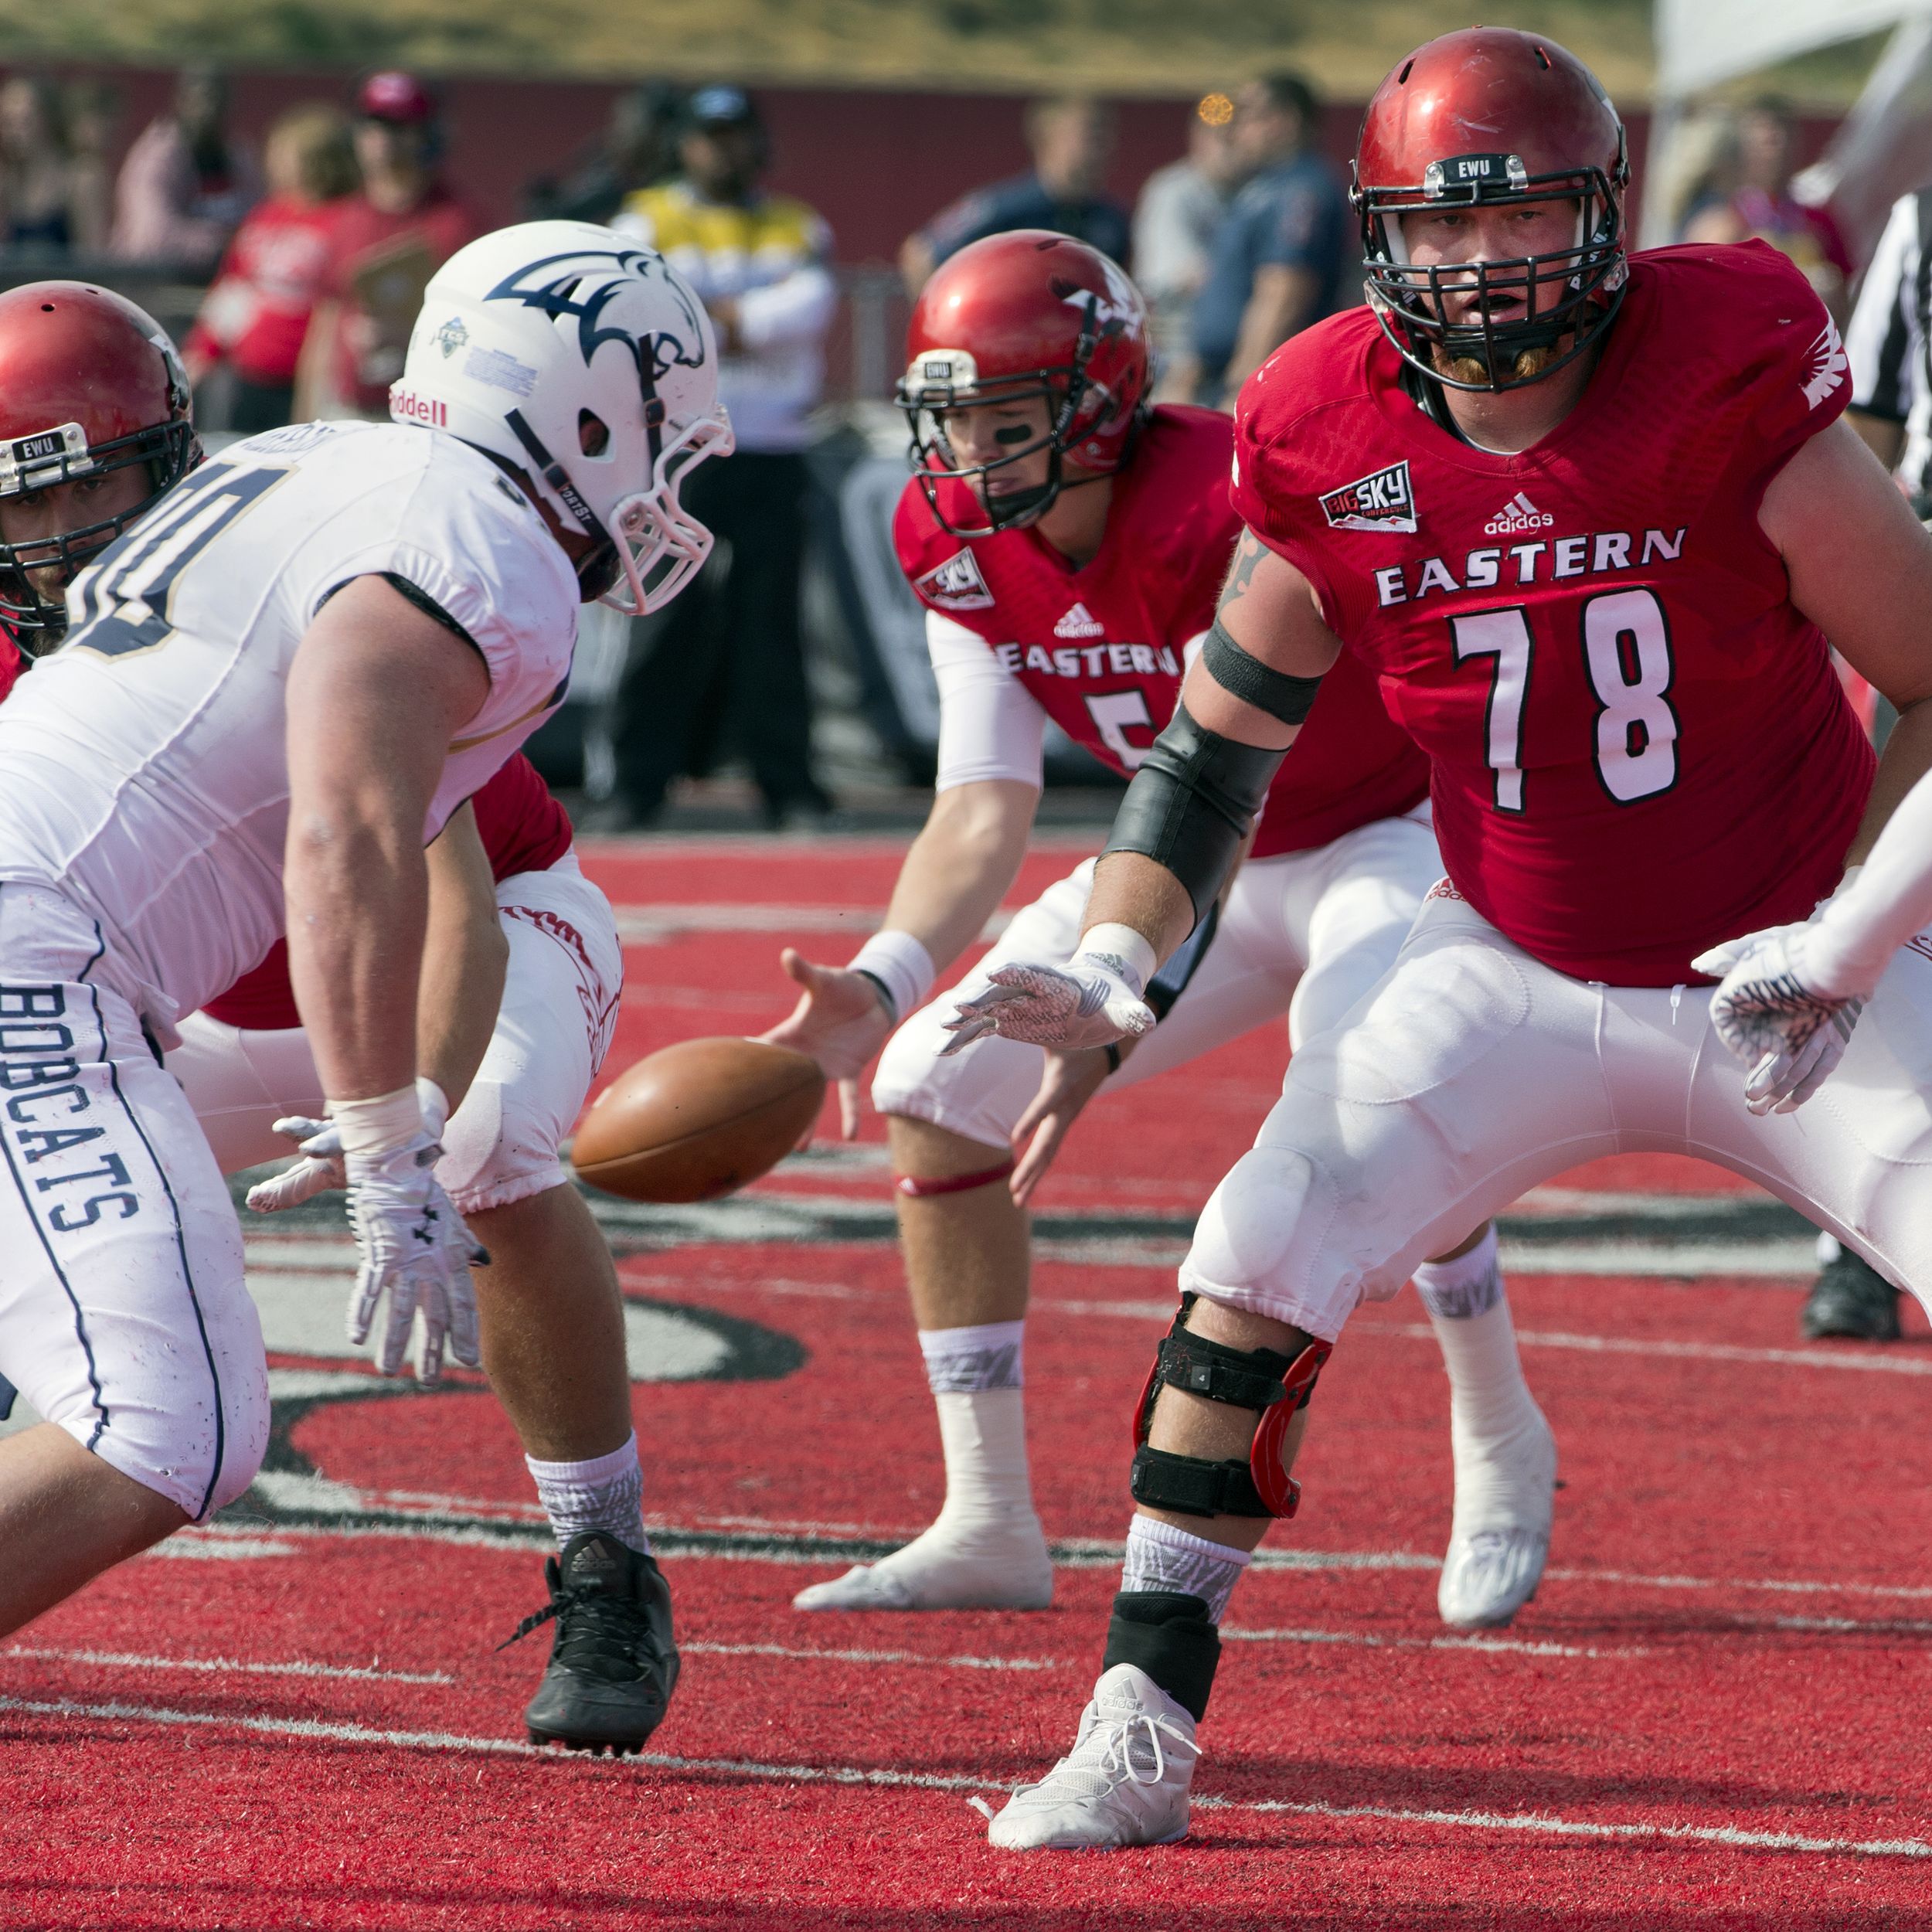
{"x":901,"y":964}
{"x":1110,"y":943}
{"x":378,"y":1125}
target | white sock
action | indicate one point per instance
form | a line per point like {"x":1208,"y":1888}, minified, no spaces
{"x":1161,"y":1557}
{"x":965,"y":1361}
{"x":1500,"y":1438}
{"x":606,"y":1493}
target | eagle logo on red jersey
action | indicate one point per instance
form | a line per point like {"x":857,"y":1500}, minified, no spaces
{"x":1384,"y":501}
{"x":1829,"y":365}
{"x":956,"y":584}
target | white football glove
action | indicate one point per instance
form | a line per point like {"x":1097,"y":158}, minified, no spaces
{"x":1092,"y":1000}
{"x":320,"y":1144}
{"x":415,"y":1249}
{"x":1785,"y":1023}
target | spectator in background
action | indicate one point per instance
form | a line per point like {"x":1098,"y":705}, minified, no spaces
{"x":1180,"y":211}
{"x":46,"y":202}
{"x":1277,"y":263}
{"x":89,"y":111}
{"x":759,"y":263}
{"x":637,"y":150}
{"x":254,"y":319}
{"x":186,"y":182}
{"x":1072,"y":139}
{"x":387,"y":240}
{"x":1748,"y":196}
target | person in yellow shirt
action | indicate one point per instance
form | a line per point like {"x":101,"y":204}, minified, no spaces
{"x":760,"y":263}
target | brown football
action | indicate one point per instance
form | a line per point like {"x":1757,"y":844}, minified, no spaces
{"x":698,"y":1119}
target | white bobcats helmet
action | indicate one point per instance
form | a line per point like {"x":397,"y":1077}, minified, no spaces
{"x":585,"y":359}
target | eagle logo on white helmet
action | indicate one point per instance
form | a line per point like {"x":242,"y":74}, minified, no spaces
{"x":591,"y":366}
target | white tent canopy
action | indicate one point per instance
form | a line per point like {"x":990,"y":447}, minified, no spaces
{"x":1700,"y":42}
{"x":1885,"y":145}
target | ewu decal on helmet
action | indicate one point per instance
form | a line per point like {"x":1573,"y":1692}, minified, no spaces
{"x":89,"y":383}
{"x":1024,"y":313}
{"x":586,"y":361}
{"x":1487,"y":117}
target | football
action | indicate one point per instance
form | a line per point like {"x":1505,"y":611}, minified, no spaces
{"x":698,"y":1119}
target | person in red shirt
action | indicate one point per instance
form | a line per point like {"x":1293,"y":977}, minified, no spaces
{"x":94,"y":430}
{"x":1069,"y":544}
{"x":256,"y":313}
{"x":1590,"y":520}
{"x":386,"y":242}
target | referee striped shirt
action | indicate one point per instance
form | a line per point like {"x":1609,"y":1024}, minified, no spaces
{"x":1891,"y":378}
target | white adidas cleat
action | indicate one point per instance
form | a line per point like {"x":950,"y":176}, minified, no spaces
{"x":1124,"y":1782}
{"x":993,"y":1566}
{"x":1499,"y":1541}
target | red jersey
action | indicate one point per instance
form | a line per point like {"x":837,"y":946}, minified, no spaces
{"x":523,"y":829}
{"x":379,"y":265}
{"x":1638,"y":745}
{"x":11,"y":664}
{"x":1102,"y":648}
{"x":256,"y":313}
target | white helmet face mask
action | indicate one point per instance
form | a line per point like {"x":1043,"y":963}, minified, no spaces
{"x":586,"y":360}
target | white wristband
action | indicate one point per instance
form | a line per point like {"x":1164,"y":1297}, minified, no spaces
{"x":901,"y":964}
{"x":1120,"y":946}
{"x":378,"y":1125}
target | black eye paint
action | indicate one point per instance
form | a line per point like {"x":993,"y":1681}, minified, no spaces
{"x":1019,"y":433}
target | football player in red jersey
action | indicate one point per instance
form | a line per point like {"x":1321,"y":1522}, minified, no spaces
{"x":94,"y":428}
{"x":1590,"y":520}
{"x":1069,"y":544}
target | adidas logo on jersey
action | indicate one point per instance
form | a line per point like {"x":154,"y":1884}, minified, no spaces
{"x":1079,"y":622}
{"x":1517,"y":514}
{"x":1382,"y":501}
{"x":956,"y":584}
{"x":1829,"y":366}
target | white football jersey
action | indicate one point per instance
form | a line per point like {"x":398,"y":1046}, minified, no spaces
{"x":144,"y":769}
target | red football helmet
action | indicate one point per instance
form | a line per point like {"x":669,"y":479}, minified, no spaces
{"x":1484,"y":116}
{"x":89,"y":383}
{"x":1024,"y":313}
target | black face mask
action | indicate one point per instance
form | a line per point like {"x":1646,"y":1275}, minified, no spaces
{"x":597,"y":574}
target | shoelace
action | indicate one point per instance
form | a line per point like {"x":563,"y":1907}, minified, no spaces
{"x":1115,"y":1738}
{"x":604,"y":1617}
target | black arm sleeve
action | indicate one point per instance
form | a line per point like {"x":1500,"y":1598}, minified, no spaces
{"x":1191,"y":803}
{"x":1243,"y":675}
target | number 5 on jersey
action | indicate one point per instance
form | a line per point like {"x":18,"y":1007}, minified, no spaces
{"x":1626,"y":647}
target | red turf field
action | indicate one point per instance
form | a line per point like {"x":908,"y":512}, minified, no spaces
{"x":1714,"y":1715}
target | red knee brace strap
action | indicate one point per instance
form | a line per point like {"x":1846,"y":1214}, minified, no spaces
{"x":1259,"y":1379}
{"x":920,"y":1187}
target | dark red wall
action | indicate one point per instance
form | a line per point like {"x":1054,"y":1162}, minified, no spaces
{"x":876,"y":164}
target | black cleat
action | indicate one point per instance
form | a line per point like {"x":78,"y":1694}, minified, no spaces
{"x":612,"y":1664}
{"x":1852,"y":1301}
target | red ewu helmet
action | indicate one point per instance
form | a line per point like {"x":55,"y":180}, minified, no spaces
{"x":1025,"y":314}
{"x":89,"y":383}
{"x":1485,"y":117}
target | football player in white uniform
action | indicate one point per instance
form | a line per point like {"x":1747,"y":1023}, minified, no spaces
{"x":297,"y":665}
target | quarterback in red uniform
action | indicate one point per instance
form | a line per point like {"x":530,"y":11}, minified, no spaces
{"x":1589,"y":520}
{"x":94,"y":429}
{"x":1069,"y":544}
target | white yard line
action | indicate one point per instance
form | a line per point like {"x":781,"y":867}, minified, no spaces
{"x":1512,"y":1646}
{"x":227,"y":1666}
{"x":796,"y":1654}
{"x":1534,"y":1823}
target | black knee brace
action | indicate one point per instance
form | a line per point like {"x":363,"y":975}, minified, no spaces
{"x":1262,"y":1379}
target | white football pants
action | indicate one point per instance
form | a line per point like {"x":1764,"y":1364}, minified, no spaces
{"x":1473,"y":1072}
{"x":124,"y":1318}
{"x":559,"y":1007}
{"x":1306,"y":934}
